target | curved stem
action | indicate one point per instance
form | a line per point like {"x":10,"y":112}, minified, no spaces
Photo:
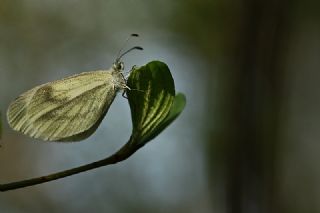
{"x":122,"y":154}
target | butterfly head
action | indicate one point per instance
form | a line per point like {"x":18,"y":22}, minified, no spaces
{"x":118,"y":65}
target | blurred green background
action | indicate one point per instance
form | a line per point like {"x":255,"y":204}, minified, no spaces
{"x":248,"y":140}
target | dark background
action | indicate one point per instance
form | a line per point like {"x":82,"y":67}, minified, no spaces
{"x":248,"y":140}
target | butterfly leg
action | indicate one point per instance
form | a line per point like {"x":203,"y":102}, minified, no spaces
{"x":124,"y":93}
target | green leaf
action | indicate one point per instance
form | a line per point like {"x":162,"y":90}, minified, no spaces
{"x":177,"y":107}
{"x":152,"y":101}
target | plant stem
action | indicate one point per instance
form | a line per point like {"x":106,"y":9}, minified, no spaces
{"x":122,"y":154}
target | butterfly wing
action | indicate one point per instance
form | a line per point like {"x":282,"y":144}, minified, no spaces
{"x":65,"y":110}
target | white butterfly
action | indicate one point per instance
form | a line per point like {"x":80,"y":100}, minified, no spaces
{"x":70,"y":109}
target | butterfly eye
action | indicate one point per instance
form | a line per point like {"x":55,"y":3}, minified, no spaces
{"x":120,"y":66}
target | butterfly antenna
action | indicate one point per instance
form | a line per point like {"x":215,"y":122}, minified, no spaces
{"x":119,"y":55}
{"x":129,"y":50}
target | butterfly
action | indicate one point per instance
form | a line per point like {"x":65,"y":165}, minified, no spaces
{"x":69,"y":109}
